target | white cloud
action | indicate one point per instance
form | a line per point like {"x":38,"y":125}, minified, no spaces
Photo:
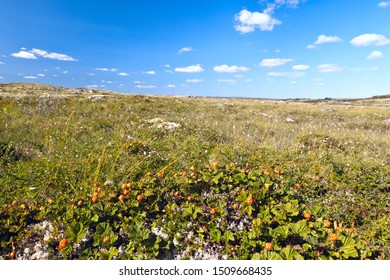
{"x":300,"y":67}
{"x":375,"y":55}
{"x":149,"y":72}
{"x":1,"y":63}
{"x":137,"y":82}
{"x":310,"y":46}
{"x":326,"y":68}
{"x":139,"y":86}
{"x":194,"y":80}
{"x":232,"y":82}
{"x":30,"y":77}
{"x":185,"y":49}
{"x":370,"y":40}
{"x":289,"y":3}
{"x":25,"y":55}
{"x":273,"y":62}
{"x":286,"y":74}
{"x":1,"y":77}
{"x":65,"y":72}
{"x":55,"y":56}
{"x":323,"y":39}
{"x":230,"y":69}
{"x":123,"y":74}
{"x":107,"y":69}
{"x":40,"y":75}
{"x":384,"y":4}
{"x":249,"y":21}
{"x":171,"y":86}
{"x":190,"y":69}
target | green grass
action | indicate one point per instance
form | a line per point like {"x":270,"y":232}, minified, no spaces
{"x":55,"y":144}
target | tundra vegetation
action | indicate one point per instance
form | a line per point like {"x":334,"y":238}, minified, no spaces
{"x":97,"y":175}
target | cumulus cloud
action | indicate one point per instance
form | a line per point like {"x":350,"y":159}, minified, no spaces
{"x":323,"y":39}
{"x":230,"y":69}
{"x":375,"y":55}
{"x":123,"y":74}
{"x":53,"y":55}
{"x":370,"y":40}
{"x":232,"y":82}
{"x":149,"y":72}
{"x":300,"y":67}
{"x":107,"y":69}
{"x":326,"y":68}
{"x":286,"y":74}
{"x":190,"y":69}
{"x":273,"y":62}
{"x":248,"y":21}
{"x":194,"y":80}
{"x":24,"y":54}
{"x":139,"y":86}
{"x":384,"y":4}
{"x":185,"y":49}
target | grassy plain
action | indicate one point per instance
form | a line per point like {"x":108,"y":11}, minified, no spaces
{"x":219,"y":178}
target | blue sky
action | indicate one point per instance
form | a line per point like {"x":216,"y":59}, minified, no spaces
{"x":265,"y":49}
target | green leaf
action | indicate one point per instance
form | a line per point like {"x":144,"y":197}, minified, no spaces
{"x":215,"y":235}
{"x":348,"y":247}
{"x":300,"y":228}
{"x":95,"y":218}
{"x":228,"y":236}
{"x":288,"y":253}
{"x":76,"y":232}
{"x":282,"y":231}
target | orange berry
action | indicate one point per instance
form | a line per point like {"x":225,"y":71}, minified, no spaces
{"x":149,"y":174}
{"x":121,"y":197}
{"x":139,"y":197}
{"x":297,"y":185}
{"x":327,"y":223}
{"x":232,"y":165}
{"x":12,"y":255}
{"x":333,"y":237}
{"x":268,"y":246}
{"x":94,"y":198}
{"x":106,"y":183}
{"x":215,"y":164}
{"x":243,"y":170}
{"x":99,"y":190}
{"x":277,"y":169}
{"x":213,"y":211}
{"x":63,"y":244}
{"x":42,"y":208}
{"x":50,"y":201}
{"x":106,"y":239}
{"x":14,"y":202}
{"x":177,"y":194}
{"x":183,"y":174}
{"x":23,"y":206}
{"x":307,"y":215}
{"x":266,"y":172}
{"x":160,"y":175}
{"x":80,"y":202}
{"x":126,"y":192}
{"x":124,"y":186}
{"x":249,"y":200}
{"x":193,"y":168}
{"x":190,"y":198}
{"x":95,"y":184}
